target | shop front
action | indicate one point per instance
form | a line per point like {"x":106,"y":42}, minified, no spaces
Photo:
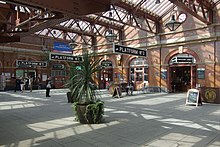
{"x":182,"y":73}
{"x":59,"y":75}
{"x":29,"y":69}
{"x":106,"y":74}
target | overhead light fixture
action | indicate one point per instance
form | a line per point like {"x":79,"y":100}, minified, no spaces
{"x":109,"y":34}
{"x":72,"y":45}
{"x":157,"y":2}
{"x":172,"y":25}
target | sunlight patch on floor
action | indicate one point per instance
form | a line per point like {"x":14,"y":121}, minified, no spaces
{"x":175,"y":140}
{"x":51,"y":124}
{"x":26,"y":96}
{"x":185,"y":123}
{"x":152,"y":101}
{"x":10,"y":105}
{"x":216,"y":127}
{"x":147,"y":116}
{"x":64,"y":128}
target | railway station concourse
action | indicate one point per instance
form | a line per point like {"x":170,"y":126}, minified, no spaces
{"x":164,"y":47}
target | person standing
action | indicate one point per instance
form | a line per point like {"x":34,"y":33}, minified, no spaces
{"x":48,"y":87}
{"x":22,"y":84}
{"x":30,"y":82}
{"x":17,"y":83}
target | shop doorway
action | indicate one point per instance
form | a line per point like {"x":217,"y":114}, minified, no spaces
{"x":106,"y":75}
{"x":139,"y":73}
{"x":106,"y":78}
{"x":182,"y":74}
{"x":180,"y":78}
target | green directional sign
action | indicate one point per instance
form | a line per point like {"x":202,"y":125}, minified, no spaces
{"x":78,"y":68}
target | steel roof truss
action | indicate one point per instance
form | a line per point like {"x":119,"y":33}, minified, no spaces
{"x":193,"y":7}
{"x":126,"y":18}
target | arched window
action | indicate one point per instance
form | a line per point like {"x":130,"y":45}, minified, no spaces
{"x":138,"y":70}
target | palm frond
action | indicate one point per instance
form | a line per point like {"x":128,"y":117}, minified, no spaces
{"x":81,"y":83}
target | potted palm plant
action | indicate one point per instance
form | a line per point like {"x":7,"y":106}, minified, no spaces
{"x":83,"y":90}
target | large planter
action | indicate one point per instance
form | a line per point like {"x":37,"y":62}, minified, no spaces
{"x":89,"y":113}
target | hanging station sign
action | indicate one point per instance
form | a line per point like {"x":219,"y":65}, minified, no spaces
{"x":30,"y":64}
{"x":129,"y":50}
{"x":61,"y":47}
{"x":63,"y":57}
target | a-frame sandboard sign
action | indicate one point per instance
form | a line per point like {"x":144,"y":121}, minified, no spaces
{"x":192,"y":97}
{"x":117,"y":92}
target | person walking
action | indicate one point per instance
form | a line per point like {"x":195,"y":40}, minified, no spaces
{"x":48,"y":86}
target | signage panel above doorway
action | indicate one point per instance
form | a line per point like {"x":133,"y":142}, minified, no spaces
{"x":182,"y":60}
{"x":129,"y":50}
{"x":106,"y":63}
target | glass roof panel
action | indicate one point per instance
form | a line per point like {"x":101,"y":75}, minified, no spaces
{"x":151,"y":6}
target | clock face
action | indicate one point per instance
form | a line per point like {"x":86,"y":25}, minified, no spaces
{"x":182,"y":17}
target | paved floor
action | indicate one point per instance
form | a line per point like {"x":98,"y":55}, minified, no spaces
{"x":151,"y":120}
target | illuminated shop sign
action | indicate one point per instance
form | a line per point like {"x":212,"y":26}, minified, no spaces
{"x":30,"y":64}
{"x":129,"y":50}
{"x":62,"y":57}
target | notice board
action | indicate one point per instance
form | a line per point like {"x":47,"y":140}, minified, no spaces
{"x":192,"y":97}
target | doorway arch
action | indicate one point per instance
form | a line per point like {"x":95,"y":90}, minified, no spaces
{"x":181,"y":70}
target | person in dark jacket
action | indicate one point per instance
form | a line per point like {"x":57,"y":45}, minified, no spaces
{"x":48,"y":87}
{"x":17,"y":84}
{"x":130,"y":88}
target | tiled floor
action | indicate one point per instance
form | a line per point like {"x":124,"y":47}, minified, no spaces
{"x":151,"y":120}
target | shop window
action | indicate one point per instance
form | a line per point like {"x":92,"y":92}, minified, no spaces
{"x":132,"y":77}
{"x":139,"y":70}
{"x":132,"y":70}
{"x":139,"y":76}
{"x":201,"y":73}
{"x":25,"y":73}
{"x":58,"y":73}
